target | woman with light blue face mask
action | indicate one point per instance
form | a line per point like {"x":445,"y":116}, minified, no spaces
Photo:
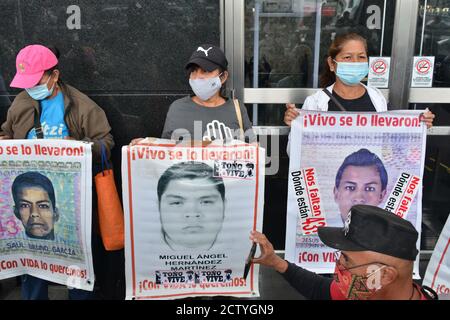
{"x":48,"y":108}
{"x":208,"y":114}
{"x":346,"y":66}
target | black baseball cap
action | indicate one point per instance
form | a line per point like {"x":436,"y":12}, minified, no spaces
{"x":209,"y":57}
{"x":369,"y":228}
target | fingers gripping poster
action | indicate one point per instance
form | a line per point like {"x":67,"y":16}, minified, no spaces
{"x":45,"y":211}
{"x":338,"y":160}
{"x":188,"y":216}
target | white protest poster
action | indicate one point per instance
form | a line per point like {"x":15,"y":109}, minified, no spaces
{"x":338,"y":160}
{"x":422,"y":75}
{"x":188,"y":216}
{"x":45,"y":211}
{"x":437,"y":276}
{"x":379,"y":72}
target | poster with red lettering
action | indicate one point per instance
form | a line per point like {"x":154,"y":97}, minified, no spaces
{"x":189,"y":211}
{"x":338,"y":160}
{"x":45,"y":211}
{"x":437,"y":276}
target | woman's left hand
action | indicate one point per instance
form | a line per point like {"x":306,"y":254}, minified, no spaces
{"x":136,"y":141}
{"x":428,"y":118}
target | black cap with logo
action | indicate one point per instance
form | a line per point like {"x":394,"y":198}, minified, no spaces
{"x":369,"y":228}
{"x":208,"y":57}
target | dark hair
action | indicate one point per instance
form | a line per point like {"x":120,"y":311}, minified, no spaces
{"x":30,"y":180}
{"x":55,"y":51}
{"x":60,"y":82}
{"x":192,"y":67}
{"x":363,"y":158}
{"x":189,"y":170}
{"x":328,"y":77}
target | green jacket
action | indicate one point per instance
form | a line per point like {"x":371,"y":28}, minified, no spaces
{"x":85,"y":120}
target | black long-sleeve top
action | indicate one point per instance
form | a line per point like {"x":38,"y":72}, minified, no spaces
{"x":311,"y":285}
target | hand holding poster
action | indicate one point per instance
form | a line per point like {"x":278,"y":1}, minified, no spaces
{"x":437,"y":276}
{"x":45,"y":211}
{"x":188,"y":214}
{"x":342,"y":159}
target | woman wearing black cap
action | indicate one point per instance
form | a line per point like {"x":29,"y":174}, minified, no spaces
{"x":207,"y":115}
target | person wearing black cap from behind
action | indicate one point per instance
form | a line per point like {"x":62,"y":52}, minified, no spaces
{"x":375,"y":261}
{"x":208,"y":114}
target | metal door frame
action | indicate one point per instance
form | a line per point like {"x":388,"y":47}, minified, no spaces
{"x":400,"y":93}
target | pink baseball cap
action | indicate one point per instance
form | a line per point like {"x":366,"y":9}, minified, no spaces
{"x":31,"y":63}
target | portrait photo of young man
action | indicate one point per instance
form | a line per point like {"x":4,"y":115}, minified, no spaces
{"x":35,"y":205}
{"x":191,"y":202}
{"x":361,"y":179}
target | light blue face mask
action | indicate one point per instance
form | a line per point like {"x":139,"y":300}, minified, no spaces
{"x":205,"y":88}
{"x":40,"y":92}
{"x":351,"y":73}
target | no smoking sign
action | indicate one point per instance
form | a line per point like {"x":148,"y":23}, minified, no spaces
{"x":423,"y":66}
{"x":379,"y":66}
{"x":422,"y":75}
{"x":379,"y":72}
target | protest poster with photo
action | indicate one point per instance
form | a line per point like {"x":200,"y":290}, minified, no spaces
{"x":45,"y":211}
{"x":437,"y":276}
{"x":338,"y":160}
{"x":188,"y":216}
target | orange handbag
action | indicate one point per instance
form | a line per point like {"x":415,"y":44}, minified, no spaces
{"x":110,"y":211}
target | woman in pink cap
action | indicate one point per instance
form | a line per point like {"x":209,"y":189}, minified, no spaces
{"x":50,"y":109}
{"x":47,"y":100}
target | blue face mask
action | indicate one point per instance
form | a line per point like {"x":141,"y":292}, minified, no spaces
{"x":40,"y":92}
{"x":205,"y":88}
{"x":351,"y":73}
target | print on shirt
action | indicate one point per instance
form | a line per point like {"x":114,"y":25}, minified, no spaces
{"x":50,"y":132}
{"x":52,"y":119}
